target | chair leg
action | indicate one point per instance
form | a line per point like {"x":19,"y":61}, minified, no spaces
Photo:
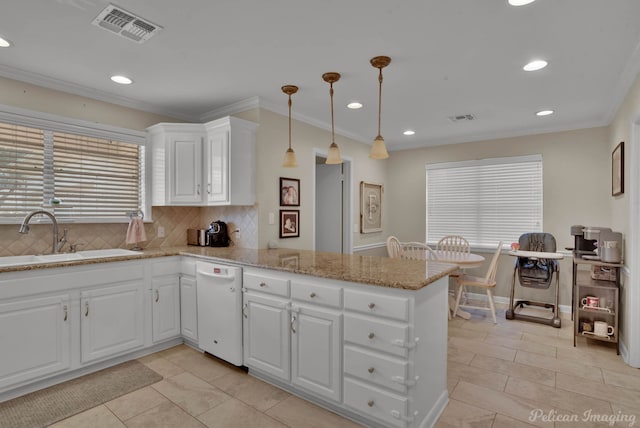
{"x":491,"y":305}
{"x":458,"y":295}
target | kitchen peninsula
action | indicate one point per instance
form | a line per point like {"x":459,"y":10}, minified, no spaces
{"x":363,"y":336}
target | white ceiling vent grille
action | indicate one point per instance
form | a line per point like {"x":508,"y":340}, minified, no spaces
{"x":462,"y":118}
{"x":126,"y":24}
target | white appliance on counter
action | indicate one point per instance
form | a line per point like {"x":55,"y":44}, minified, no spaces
{"x":219,"y":289}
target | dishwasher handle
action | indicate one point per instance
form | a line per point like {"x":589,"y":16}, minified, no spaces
{"x":217,"y":275}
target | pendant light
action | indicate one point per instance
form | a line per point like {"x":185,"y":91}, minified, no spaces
{"x":378,"y":149}
{"x":290,"y":155}
{"x":333,"y":157}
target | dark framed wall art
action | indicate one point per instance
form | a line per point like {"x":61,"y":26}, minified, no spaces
{"x":289,"y":223}
{"x":289,"y":192}
{"x":617,"y":170}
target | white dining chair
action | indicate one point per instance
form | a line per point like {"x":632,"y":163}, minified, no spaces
{"x":453,"y":244}
{"x":417,"y":251}
{"x":393,"y":247}
{"x":488,"y":283}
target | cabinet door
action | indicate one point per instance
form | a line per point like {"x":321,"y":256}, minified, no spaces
{"x":166,"y":307}
{"x":266,"y":335}
{"x":217,"y":165}
{"x":188,"y":308}
{"x":111,"y":320}
{"x":34,"y":336}
{"x":185,"y":168}
{"x":315,"y":350}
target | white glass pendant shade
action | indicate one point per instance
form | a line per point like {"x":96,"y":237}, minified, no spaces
{"x":333,"y":157}
{"x":290,"y":159}
{"x":378,"y":149}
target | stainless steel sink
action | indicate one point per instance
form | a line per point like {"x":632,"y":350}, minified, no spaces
{"x":64,"y":257}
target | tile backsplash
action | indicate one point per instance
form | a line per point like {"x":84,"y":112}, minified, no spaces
{"x":174,"y":220}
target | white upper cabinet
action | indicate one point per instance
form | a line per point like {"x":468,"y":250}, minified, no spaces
{"x":203,"y":164}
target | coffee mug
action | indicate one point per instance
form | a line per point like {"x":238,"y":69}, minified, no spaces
{"x":586,"y":326}
{"x":591,"y":301}
{"x":600,"y":328}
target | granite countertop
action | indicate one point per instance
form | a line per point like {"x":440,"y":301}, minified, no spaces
{"x":380,"y":271}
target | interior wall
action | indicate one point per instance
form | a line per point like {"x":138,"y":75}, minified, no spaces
{"x":576,"y":186}
{"x":272,"y":141}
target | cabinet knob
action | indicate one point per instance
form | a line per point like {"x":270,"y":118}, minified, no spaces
{"x":370,"y":369}
{"x":372,"y":305}
{"x":312,"y":295}
{"x":263,"y":284}
{"x":371,"y":335}
{"x":370,"y":403}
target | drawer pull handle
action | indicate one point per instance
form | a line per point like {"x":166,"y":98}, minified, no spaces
{"x":371,"y":305}
{"x":86,"y":307}
{"x":370,"y":403}
{"x":371,"y":369}
{"x":66,"y":312}
{"x":293,"y":320}
{"x":312,"y":295}
{"x":157,"y":295}
{"x":402,"y":381}
{"x":263,"y":284}
{"x":371,"y":336}
{"x":244,"y":310}
{"x":407,"y":345}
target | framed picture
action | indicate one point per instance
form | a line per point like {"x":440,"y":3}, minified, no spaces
{"x":289,"y":223}
{"x":370,"y":207}
{"x":617,"y":170}
{"x":289,"y":192}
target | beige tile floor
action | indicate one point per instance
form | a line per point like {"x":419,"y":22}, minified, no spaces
{"x":497,"y":375}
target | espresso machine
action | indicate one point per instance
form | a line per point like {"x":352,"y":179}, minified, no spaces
{"x":597,"y":243}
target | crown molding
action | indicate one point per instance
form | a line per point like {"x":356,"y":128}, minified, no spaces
{"x":624,"y":84}
{"x":231,"y":109}
{"x":83,"y":91}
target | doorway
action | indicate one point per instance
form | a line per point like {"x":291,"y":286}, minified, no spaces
{"x":332,"y":210}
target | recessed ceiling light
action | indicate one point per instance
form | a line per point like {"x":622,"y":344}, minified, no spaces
{"x":354,"y":105}
{"x":409,"y":132}
{"x":520,"y":2}
{"x":123,"y":80}
{"x":4,"y":43}
{"x":544,"y":113}
{"x":535,"y":65}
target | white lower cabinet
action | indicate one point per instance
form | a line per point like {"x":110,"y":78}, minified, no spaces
{"x":112,"y":320}
{"x":165,"y":295}
{"x":35,"y":338}
{"x":266,"y":337}
{"x":315,"y":350}
{"x":188,"y":308}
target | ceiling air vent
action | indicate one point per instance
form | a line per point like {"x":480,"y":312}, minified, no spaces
{"x":126,"y":24}
{"x":462,"y":118}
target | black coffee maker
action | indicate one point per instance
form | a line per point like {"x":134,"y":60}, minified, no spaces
{"x":218,"y":234}
{"x":582,"y":245}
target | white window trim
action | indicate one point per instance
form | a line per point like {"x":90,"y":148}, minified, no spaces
{"x":48,"y":121}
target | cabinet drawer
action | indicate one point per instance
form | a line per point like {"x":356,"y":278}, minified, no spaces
{"x":377,"y":304}
{"x":266,"y":284}
{"x":387,"y":407}
{"x":377,"y":368}
{"x":316,"y":293}
{"x":387,"y":336}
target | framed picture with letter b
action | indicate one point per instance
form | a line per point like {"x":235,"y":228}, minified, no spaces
{"x":370,"y":207}
{"x":617,"y":170}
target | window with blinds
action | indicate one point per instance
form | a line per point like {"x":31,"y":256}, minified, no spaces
{"x":486,"y":201}
{"x":97,"y":179}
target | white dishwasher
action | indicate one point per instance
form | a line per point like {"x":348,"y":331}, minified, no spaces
{"x":219,"y":289}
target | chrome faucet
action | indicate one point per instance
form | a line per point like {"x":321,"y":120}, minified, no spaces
{"x":57,"y":245}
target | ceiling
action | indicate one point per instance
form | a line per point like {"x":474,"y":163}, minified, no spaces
{"x":449,"y":58}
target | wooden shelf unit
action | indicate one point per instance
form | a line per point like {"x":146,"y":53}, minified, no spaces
{"x":584,"y":285}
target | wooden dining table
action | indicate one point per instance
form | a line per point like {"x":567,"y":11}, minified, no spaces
{"x":464,"y":261}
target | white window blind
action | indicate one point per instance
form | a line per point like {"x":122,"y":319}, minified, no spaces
{"x":21,"y":169}
{"x":98,"y":179}
{"x":485,"y":201}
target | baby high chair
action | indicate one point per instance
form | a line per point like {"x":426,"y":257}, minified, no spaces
{"x":535,"y":272}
